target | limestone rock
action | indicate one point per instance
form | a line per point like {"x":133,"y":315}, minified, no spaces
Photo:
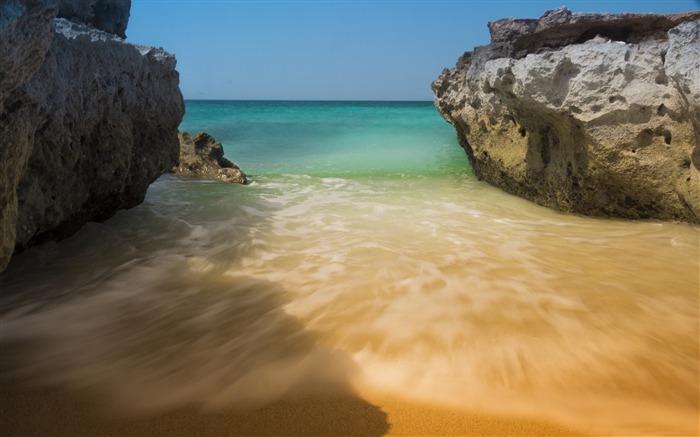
{"x":111,"y":16}
{"x":203,"y":156}
{"x":588,"y":113}
{"x":82,"y":133}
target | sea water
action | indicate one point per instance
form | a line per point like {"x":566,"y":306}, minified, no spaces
{"x":363,"y":256}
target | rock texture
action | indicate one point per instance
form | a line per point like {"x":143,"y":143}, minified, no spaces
{"x":203,"y":156}
{"x":26,"y":29}
{"x":588,"y":113}
{"x":112,"y":16}
{"x":87,"y":122}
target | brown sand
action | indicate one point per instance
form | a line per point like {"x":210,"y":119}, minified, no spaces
{"x":410,"y":417}
{"x":27,"y":410}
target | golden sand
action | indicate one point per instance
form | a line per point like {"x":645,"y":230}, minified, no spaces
{"x":27,"y":410}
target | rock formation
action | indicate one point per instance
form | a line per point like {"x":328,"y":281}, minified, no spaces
{"x":595,"y":114}
{"x":203,"y":156}
{"x":87,"y":122}
{"x":112,"y":16}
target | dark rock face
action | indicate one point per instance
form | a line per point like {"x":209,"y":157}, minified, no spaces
{"x":85,"y":132}
{"x":589,"y":113}
{"x":26,"y":30}
{"x":561,"y":27}
{"x":112,"y":16}
{"x":203,"y":156}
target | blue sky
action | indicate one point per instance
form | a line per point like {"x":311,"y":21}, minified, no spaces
{"x":332,"y":50}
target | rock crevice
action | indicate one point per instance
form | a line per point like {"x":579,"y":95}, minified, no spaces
{"x":566,"y":114}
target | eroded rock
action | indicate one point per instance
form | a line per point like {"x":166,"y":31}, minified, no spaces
{"x":202,"y":156}
{"x":567,"y":113}
{"x":561,"y":27}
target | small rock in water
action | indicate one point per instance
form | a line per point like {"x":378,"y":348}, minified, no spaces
{"x":202,"y":156}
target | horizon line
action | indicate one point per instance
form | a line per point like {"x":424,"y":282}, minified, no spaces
{"x":307,"y":100}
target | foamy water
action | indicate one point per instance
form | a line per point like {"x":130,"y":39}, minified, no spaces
{"x":431,"y":286}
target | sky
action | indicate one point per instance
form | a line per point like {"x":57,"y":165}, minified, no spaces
{"x":332,"y":49}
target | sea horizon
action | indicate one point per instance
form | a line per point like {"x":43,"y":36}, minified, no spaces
{"x":310,"y":100}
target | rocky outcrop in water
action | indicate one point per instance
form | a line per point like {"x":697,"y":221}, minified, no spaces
{"x":202,"y":156}
{"x":87,"y":122}
{"x":595,"y":114}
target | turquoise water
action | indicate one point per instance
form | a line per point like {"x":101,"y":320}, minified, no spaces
{"x":330,"y":138}
{"x":363,"y":254}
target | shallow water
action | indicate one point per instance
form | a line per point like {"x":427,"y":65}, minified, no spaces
{"x":363,"y":255}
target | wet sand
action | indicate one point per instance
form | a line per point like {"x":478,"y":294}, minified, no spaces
{"x":26,"y":410}
{"x":426,"y":289}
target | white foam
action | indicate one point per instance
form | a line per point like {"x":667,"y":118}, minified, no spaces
{"x":476,"y":295}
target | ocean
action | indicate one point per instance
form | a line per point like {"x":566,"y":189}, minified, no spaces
{"x":363,"y":255}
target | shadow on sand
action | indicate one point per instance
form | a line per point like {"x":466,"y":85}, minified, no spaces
{"x":168,"y":351}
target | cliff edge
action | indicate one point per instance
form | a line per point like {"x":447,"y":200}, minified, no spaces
{"x":595,"y":114}
{"x":87,"y":121}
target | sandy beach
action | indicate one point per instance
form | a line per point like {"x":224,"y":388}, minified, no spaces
{"x":27,"y":410}
{"x":447,"y":219}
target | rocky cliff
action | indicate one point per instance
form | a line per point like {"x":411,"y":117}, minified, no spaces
{"x":87,"y":121}
{"x":595,"y":114}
